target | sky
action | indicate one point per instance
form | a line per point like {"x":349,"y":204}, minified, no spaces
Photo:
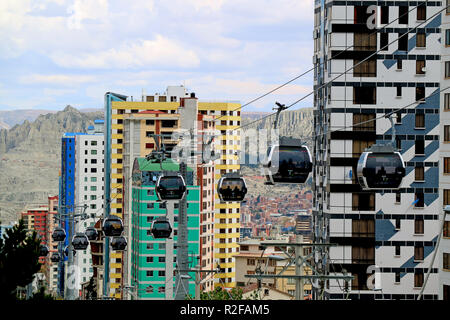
{"x":55,"y":53}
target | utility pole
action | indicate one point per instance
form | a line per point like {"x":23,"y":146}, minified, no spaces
{"x":182,"y":281}
{"x":170,"y":207}
{"x":298,"y":259}
{"x":299,"y":293}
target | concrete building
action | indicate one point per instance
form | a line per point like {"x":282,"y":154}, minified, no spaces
{"x":82,"y":186}
{"x":443,"y":257}
{"x":389,"y":232}
{"x":154,"y":261}
{"x":117,"y":107}
{"x":42,"y":219}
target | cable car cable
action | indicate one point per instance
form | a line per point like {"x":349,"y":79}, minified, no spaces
{"x":322,"y":63}
{"x":346,"y":71}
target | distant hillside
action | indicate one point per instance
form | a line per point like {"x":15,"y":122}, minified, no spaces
{"x":30,"y":152}
{"x":30,"y":158}
{"x":10,"y":118}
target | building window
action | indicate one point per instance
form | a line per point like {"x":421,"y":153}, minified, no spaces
{"x":446,"y":200}
{"x":364,"y":255}
{"x":384,"y":15}
{"x":446,"y":232}
{"x":365,"y":69}
{"x":418,"y":253}
{"x":149,"y":145}
{"x":364,"y":95}
{"x":420,"y":147}
{"x":403,"y":41}
{"x":420,"y":94}
{"x":149,"y":259}
{"x":149,"y":273}
{"x":418,"y":226}
{"x":403,"y":14}
{"x":419,"y":174}
{"x":447,"y":37}
{"x":150,"y":205}
{"x":446,"y":133}
{"x":363,"y":201}
{"x":446,"y":101}
{"x":364,"y":122}
{"x":420,"y":66}
{"x":419,"y":197}
{"x":447,"y":69}
{"x":399,"y":94}
{"x":169,"y":123}
{"x":250,"y":262}
{"x":397,"y":224}
{"x":422,"y":12}
{"x":421,"y":41}
{"x":399,"y":64}
{"x":397,"y":250}
{"x":365,"y":41}
{"x":364,"y":228}
{"x":446,"y":261}
{"x":398,"y":197}
{"x":397,"y":277}
{"x":418,"y":279}
{"x":359,"y":146}
{"x":161,"y":273}
{"x":384,"y":41}
{"x":94,"y":152}
{"x":420,"y":121}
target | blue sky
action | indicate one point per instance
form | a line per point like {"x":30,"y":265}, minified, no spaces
{"x":59,"y":52}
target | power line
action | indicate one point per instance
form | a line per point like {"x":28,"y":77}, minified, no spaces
{"x":346,"y":71}
{"x":320,"y":64}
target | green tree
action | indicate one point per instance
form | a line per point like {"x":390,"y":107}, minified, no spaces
{"x":91,"y":290}
{"x":41,"y":295}
{"x":19,"y":259}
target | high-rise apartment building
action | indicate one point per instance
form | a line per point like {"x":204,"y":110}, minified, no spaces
{"x":42,"y":220}
{"x":82,"y":186}
{"x":152,"y":278}
{"x":443,"y":258}
{"x":225,"y":216}
{"x":391,"y":233}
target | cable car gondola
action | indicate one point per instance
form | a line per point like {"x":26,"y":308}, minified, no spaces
{"x":80,"y":241}
{"x":380,"y":167}
{"x":288,"y":162}
{"x":170,"y":187}
{"x":119,"y":243}
{"x":59,"y":234}
{"x":232,"y":187}
{"x":161,"y":229}
{"x":91,"y":233}
{"x":55,"y":257}
{"x":112,"y":226}
{"x":43,"y":250}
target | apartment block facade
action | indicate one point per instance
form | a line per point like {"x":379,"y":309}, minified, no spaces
{"x":386,"y":235}
{"x":152,"y":278}
{"x":119,"y":154}
{"x":443,"y":257}
{"x":82,"y":186}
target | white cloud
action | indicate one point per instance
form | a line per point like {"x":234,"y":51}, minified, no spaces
{"x":86,"y":9}
{"x":142,"y":53}
{"x":254,"y":87}
{"x":57,"y":79}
